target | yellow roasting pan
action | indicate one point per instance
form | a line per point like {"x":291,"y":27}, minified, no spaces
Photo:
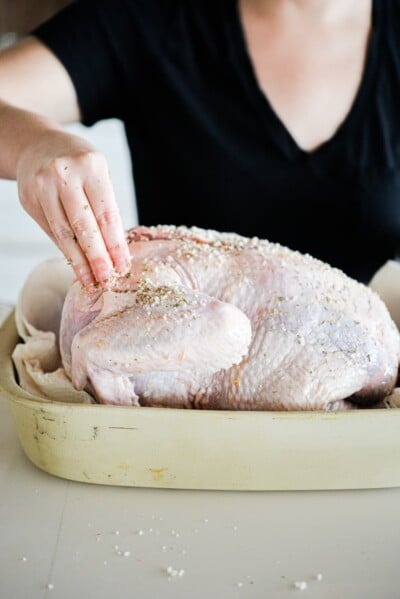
{"x":190,"y":449}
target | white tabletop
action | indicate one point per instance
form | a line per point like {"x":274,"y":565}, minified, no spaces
{"x":229,"y":544}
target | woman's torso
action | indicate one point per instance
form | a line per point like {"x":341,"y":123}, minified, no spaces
{"x":209,"y":150}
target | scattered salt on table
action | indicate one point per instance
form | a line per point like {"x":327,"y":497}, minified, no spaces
{"x":301,"y":586}
{"x":173,"y":572}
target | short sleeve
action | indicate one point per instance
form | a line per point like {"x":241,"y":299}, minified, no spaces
{"x":106,"y":47}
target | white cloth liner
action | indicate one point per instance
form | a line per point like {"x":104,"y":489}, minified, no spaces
{"x":38,"y":316}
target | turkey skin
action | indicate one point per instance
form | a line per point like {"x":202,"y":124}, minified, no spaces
{"x":219,"y":321}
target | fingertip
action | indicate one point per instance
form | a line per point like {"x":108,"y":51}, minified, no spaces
{"x":123,"y":267}
{"x":92,"y":288}
{"x":85,"y":277}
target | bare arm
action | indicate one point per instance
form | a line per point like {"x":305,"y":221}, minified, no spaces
{"x":63,"y":181}
{"x":33,"y":79}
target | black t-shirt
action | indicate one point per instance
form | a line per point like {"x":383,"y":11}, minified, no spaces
{"x":208,"y":149}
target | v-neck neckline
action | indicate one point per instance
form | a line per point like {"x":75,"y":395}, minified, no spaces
{"x":276,"y":126}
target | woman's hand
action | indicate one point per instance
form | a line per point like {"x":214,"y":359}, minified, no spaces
{"x":64,"y":184}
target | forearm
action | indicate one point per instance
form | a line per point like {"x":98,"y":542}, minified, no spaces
{"x":19,"y":129}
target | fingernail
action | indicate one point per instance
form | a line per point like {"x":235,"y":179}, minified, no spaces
{"x":123,"y":267}
{"x":84,"y":276}
{"x":103,"y":271}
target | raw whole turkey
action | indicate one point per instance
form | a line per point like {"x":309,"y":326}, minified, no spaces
{"x":219,"y":321}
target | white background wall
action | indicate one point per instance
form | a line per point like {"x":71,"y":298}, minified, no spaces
{"x":22,"y":242}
